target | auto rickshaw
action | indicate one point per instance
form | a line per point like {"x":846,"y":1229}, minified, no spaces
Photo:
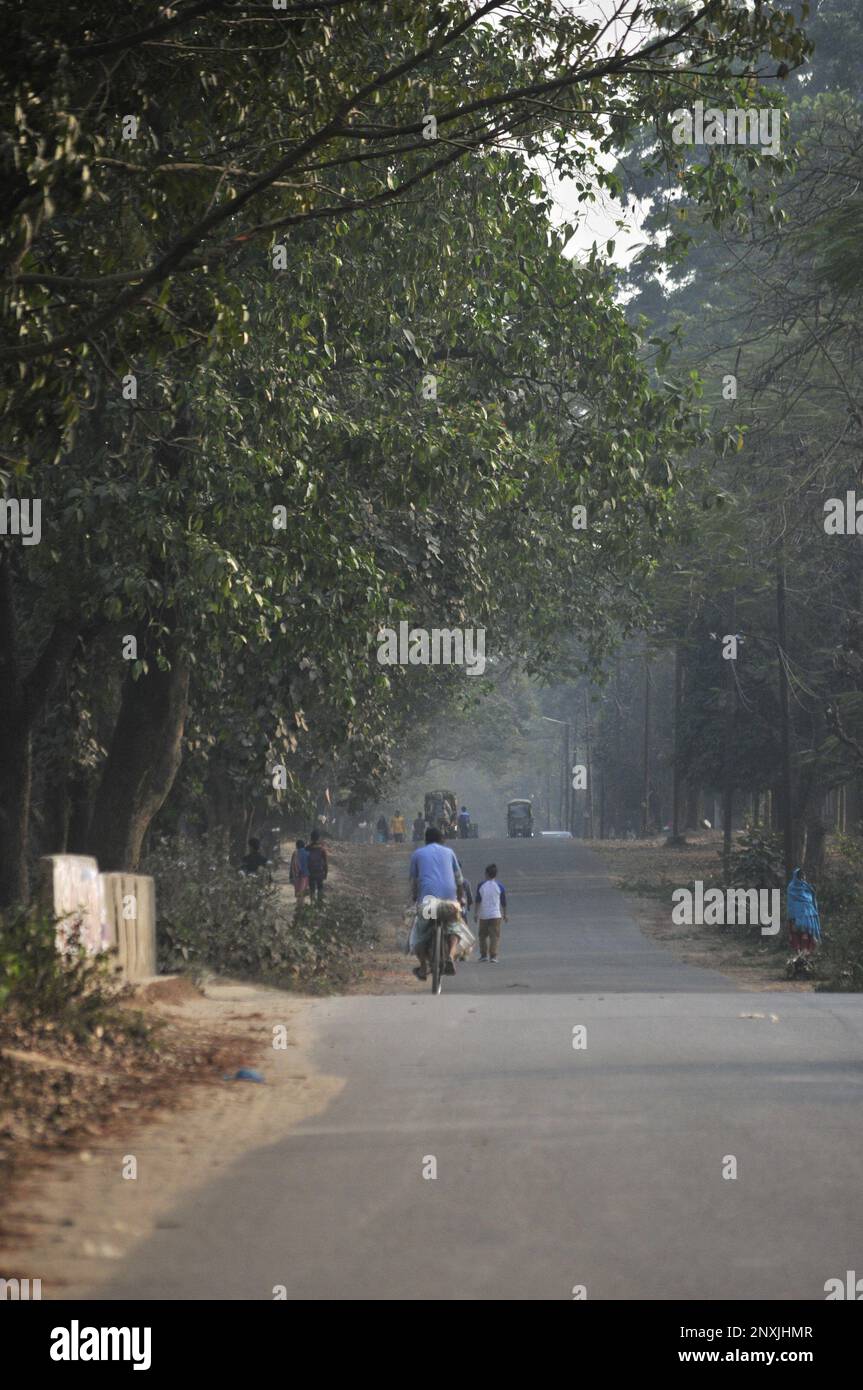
{"x":519,"y":819}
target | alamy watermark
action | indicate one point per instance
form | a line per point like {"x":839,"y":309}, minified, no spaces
{"x":754,"y":125}
{"x":843,"y":516}
{"x":77,"y":1343}
{"x":848,"y":1288}
{"x":727,"y":907}
{"x":20,"y":1290}
{"x":419,"y":646}
{"x":21,"y":518}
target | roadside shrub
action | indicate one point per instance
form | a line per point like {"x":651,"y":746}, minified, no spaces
{"x":757,"y":860}
{"x":211,"y":916}
{"x":70,"y":992}
{"x":840,"y":903}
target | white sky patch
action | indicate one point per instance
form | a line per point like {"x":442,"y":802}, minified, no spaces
{"x":597,"y":219}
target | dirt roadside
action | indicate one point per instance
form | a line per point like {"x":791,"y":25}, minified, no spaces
{"x":73,"y":1215}
{"x":72,"y":1122}
{"x":647,"y":870}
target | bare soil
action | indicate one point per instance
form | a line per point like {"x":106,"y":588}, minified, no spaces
{"x":648,"y":870}
{"x":73,"y":1114}
{"x":72,"y":1208}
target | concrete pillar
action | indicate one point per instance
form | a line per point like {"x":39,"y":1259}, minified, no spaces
{"x":71,"y":889}
{"x":130,"y":900}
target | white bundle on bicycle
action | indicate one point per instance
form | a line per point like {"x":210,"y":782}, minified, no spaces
{"x":429,"y":907}
{"x":449,"y":914}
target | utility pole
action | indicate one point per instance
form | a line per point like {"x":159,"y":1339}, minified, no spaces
{"x":645,"y":802}
{"x":566,"y":770}
{"x":568,"y":762}
{"x":675,"y":770}
{"x":785,"y":809}
{"x":588,"y":830}
{"x":728,"y":751}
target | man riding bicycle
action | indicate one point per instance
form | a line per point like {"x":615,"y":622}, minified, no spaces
{"x":435,"y":873}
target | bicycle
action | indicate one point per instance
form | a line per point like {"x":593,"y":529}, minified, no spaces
{"x":438,"y":957}
{"x":439,"y":946}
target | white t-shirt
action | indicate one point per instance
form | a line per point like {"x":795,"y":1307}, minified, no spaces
{"x":488,"y":896}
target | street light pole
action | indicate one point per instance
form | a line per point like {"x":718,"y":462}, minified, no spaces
{"x":566,"y":799}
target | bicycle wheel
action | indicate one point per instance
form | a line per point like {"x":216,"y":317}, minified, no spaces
{"x":437,"y":959}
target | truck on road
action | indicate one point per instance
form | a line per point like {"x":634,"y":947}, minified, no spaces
{"x":441,"y":809}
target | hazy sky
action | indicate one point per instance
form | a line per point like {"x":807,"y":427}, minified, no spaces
{"x":597,"y":221}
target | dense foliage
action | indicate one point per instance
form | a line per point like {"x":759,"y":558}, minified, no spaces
{"x":210,"y":916}
{"x":70,"y":992}
{"x":292,"y":349}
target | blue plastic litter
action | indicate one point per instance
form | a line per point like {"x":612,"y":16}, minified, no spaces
{"x":246,"y":1074}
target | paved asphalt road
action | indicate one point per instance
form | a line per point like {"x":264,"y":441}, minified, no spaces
{"x":556,"y":1167}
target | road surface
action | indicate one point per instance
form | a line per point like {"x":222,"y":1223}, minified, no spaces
{"x":476,"y":1154}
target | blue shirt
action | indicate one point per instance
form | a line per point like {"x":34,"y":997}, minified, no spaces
{"x":435,"y":870}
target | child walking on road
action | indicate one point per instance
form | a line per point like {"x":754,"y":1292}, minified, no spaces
{"x":489,"y":911}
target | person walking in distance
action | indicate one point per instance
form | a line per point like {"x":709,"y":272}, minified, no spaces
{"x":397,"y":828}
{"x":254,"y":860}
{"x":490,"y":911}
{"x":299,"y":872}
{"x":318,"y":866}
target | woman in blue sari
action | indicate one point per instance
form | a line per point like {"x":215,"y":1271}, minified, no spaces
{"x":804,"y":924}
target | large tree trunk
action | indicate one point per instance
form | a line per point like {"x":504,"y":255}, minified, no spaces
{"x":53,"y":832}
{"x":853,"y":806}
{"x":80,"y":798}
{"x":146,"y":747}
{"x":15,"y":769}
{"x":221,"y":802}
{"x":816,"y":835}
{"x":143,"y":760}
{"x":22,"y":700}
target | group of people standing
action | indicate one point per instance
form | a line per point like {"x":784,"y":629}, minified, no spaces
{"x":394,"y":828}
{"x":309,"y":868}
